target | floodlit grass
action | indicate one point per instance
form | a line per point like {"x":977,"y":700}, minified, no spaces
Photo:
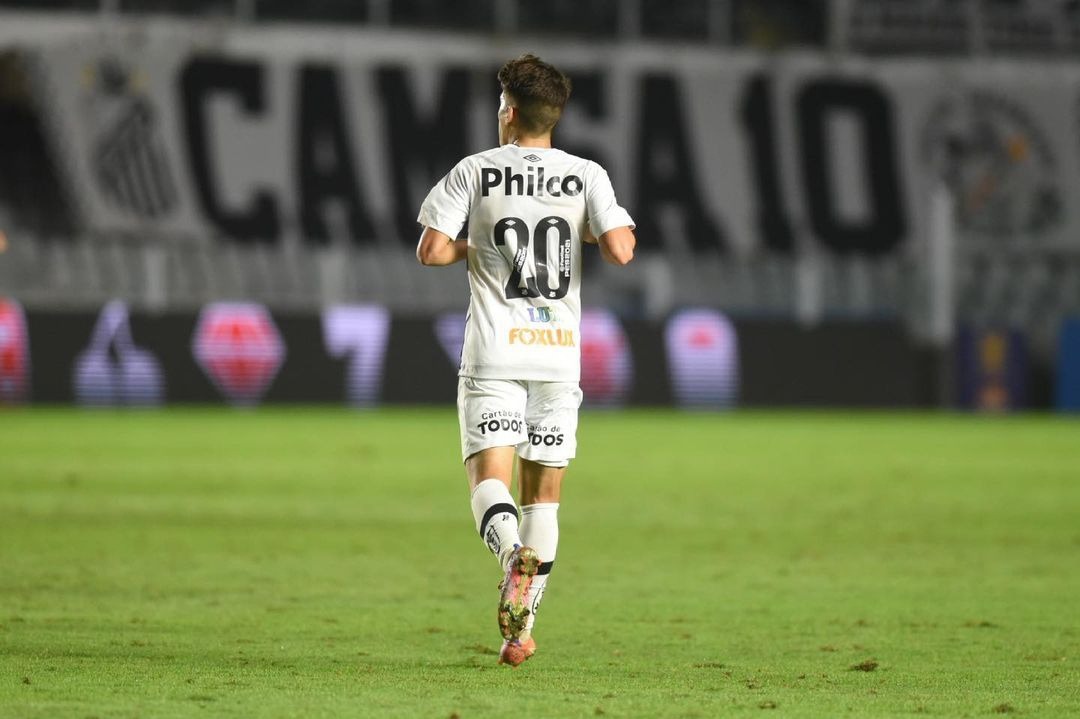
{"x":321,"y":563}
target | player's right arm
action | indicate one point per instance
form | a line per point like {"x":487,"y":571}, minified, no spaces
{"x":438,"y":249}
{"x":443,"y":214}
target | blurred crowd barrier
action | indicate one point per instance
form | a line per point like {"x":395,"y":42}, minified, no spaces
{"x":362,"y":355}
{"x":242,"y":353}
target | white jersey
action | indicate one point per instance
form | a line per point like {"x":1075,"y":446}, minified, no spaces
{"x":527,"y":210}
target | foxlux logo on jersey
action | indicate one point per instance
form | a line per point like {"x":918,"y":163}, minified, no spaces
{"x":532,"y":183}
{"x":544,"y":338}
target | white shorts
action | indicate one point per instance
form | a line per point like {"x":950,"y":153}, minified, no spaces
{"x":538,"y":419}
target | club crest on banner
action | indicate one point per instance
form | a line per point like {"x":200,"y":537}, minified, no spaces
{"x":239,"y":348}
{"x":998,"y":162}
{"x":128,"y":155}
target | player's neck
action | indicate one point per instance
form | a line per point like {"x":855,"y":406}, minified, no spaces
{"x":542,"y":141}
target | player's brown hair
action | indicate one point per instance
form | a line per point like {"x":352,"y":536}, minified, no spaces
{"x":538,"y":90}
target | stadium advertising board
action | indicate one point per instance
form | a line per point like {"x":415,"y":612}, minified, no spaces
{"x":14,"y":353}
{"x":361,"y":355}
{"x":607,"y":366}
{"x":1067,"y":392}
{"x":287,"y":134}
{"x":992,"y":368}
{"x":359,"y":333}
{"x":112,"y":370}
{"x":239,"y":348}
{"x":703,"y":354}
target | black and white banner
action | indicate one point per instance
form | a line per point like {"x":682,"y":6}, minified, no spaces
{"x":289,"y":134}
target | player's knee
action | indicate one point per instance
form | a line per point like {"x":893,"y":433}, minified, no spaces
{"x":544,"y":496}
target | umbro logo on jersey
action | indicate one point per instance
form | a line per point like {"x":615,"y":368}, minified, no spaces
{"x":532,"y":158}
{"x":532,"y":183}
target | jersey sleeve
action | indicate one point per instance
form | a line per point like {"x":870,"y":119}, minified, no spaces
{"x":604,"y":211}
{"x":446,"y":207}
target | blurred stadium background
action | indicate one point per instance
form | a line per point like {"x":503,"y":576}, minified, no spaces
{"x":856,"y":202}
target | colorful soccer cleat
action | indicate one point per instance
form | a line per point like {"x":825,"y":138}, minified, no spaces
{"x":514,"y":599}
{"x":516,"y":651}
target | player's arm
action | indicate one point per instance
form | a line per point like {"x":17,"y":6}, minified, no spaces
{"x":437,"y":249}
{"x":616,"y":245}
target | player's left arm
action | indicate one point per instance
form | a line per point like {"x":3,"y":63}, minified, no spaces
{"x":609,"y":225}
{"x":617,"y":245}
{"x":438,"y":249}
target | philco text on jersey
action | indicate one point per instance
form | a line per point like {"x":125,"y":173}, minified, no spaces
{"x":532,"y":182}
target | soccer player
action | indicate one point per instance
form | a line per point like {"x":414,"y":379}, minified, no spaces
{"x":528,"y":207}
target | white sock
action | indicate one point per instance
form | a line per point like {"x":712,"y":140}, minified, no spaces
{"x":540,"y":530}
{"x":496,"y":518}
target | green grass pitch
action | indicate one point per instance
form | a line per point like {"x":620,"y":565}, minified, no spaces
{"x":322,"y":563}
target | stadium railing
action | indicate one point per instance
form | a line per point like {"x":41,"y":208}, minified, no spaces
{"x":866,"y":26}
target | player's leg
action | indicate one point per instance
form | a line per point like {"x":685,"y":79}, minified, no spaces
{"x":540,"y":490}
{"x":540,"y":486}
{"x":496,"y":515}
{"x":552,"y":416}
{"x":491,"y":415}
{"x":492,"y":418}
{"x":497,"y":521}
{"x":540,"y":483}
